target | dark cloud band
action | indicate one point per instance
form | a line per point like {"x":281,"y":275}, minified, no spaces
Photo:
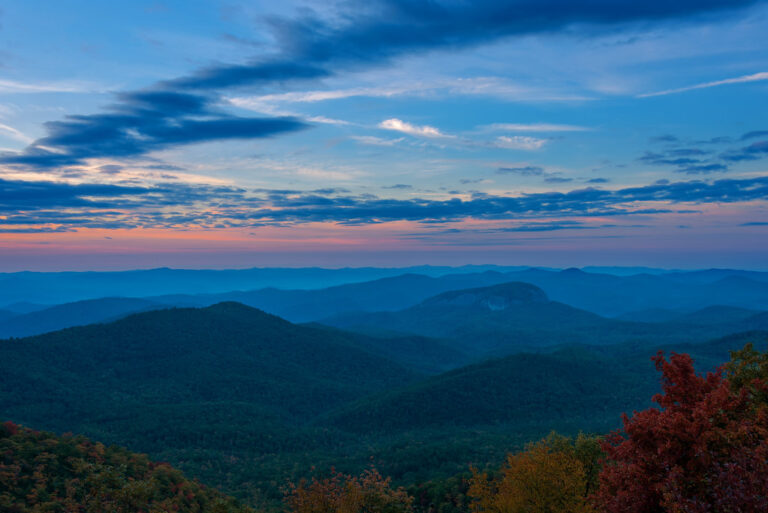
{"x":182,"y":206}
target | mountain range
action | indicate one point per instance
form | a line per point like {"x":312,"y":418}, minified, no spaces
{"x":243,"y":399}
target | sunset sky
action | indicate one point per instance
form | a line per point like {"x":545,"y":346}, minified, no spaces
{"x":212,"y":134}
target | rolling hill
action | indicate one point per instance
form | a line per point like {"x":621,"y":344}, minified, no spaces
{"x":512,"y":317}
{"x":223,"y":376}
{"x":66,"y":315}
{"x":391,"y":293}
{"x":528,"y":392}
{"x":575,"y":388}
{"x":63,"y":287}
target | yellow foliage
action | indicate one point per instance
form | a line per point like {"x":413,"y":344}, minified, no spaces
{"x":340,"y":493}
{"x":542,"y":479}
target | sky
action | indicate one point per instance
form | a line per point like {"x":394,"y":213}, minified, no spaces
{"x":221,"y":134}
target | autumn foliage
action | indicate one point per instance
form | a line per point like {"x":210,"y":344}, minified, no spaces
{"x":341,"y":493}
{"x":41,"y":472}
{"x":554,"y":475}
{"x":705,"y":449}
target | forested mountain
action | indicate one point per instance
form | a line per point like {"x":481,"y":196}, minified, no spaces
{"x":651,"y":315}
{"x":392,"y":293}
{"x":511,"y":317}
{"x":717,"y":314}
{"x":244,"y":400}
{"x":657,"y":297}
{"x":532,"y":392}
{"x":605,"y":294}
{"x":577,"y":387}
{"x":224,"y":353}
{"x":612,"y":295}
{"x":67,"y":315}
{"x":63,"y":287}
{"x":43,"y":472}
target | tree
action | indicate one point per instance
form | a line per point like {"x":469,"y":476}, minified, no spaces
{"x":550,"y":476}
{"x":41,"y":472}
{"x":704,"y":450}
{"x":748,"y":369}
{"x":341,"y":493}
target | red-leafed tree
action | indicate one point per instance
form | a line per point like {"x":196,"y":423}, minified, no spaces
{"x":705,"y":450}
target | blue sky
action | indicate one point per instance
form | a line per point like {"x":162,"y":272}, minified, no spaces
{"x":220,"y":134}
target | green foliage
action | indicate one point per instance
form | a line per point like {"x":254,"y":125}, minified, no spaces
{"x":40,"y":472}
{"x":246,"y":401}
{"x":748,"y":369}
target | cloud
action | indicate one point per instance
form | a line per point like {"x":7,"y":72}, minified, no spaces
{"x":398,"y":186}
{"x":375,"y":141}
{"x":598,"y":180}
{"x":581,"y":202}
{"x":12,"y":86}
{"x":754,"y":151}
{"x":533,"y":171}
{"x":666,"y":138}
{"x":312,"y":47}
{"x":24,"y":195}
{"x":15,"y":134}
{"x":755,"y":77}
{"x":181,"y":206}
{"x":522,"y":171}
{"x":141,"y":122}
{"x":407,"y":128}
{"x":686,"y":160}
{"x":703,"y":169}
{"x":519,"y":142}
{"x":754,"y":134}
{"x":537,"y":127}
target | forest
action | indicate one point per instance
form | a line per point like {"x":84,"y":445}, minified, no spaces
{"x":703,"y":444}
{"x":429,"y":403}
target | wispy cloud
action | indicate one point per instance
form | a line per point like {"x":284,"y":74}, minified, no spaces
{"x":522,"y":170}
{"x":755,"y":77}
{"x":15,"y":134}
{"x":375,"y":141}
{"x":13,"y":86}
{"x":519,"y":142}
{"x":399,"y":125}
{"x":537,"y":127}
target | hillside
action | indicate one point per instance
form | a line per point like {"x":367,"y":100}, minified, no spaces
{"x":605,"y":294}
{"x":63,"y":287}
{"x":717,"y":314}
{"x":528,"y":392}
{"x":611,"y":295}
{"x":227,"y":352}
{"x":574,"y":388}
{"x":512,"y":317}
{"x":43,"y":472}
{"x":391,"y":293}
{"x":67,"y":315}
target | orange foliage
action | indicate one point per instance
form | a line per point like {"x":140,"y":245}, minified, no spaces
{"x":340,"y":493}
{"x":546,"y":478}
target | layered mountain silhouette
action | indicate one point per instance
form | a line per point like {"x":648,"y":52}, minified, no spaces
{"x":240,"y":398}
{"x":67,"y":315}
